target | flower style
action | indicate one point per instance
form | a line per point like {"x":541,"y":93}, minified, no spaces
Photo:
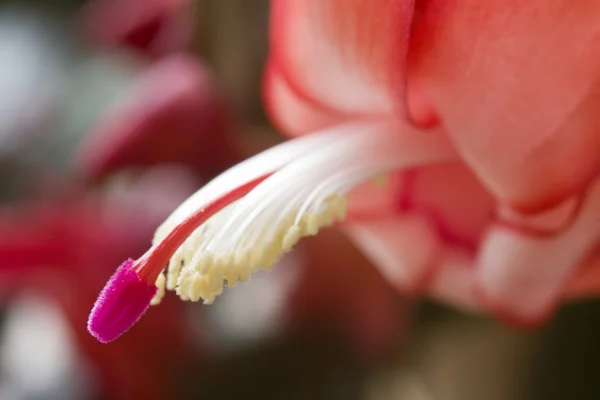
{"x":481,"y":119}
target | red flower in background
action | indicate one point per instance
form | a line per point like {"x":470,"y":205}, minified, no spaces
{"x":173,"y":114}
{"x":61,"y":242}
{"x":63,"y":248}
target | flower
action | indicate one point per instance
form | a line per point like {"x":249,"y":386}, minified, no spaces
{"x":517,"y":201}
{"x":63,"y":247}
{"x":172,"y":114}
{"x":487,"y":144}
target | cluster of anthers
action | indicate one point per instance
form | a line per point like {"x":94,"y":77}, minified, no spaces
{"x":225,"y":250}
{"x":249,"y":216}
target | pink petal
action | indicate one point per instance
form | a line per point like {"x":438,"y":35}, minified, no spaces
{"x":404,"y":248}
{"x":586,"y":282}
{"x":453,"y":281}
{"x":516,"y":86}
{"x":522,"y":277}
{"x":453,"y":198}
{"x":328,"y":50}
{"x":371,"y":201}
{"x":548,"y":222}
{"x":292,"y":112}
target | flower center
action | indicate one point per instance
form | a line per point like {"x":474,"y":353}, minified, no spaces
{"x":303,"y":196}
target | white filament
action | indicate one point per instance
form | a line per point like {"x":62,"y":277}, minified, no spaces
{"x":306,"y":193}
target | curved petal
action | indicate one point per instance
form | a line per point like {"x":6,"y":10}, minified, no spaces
{"x":404,"y":247}
{"x":345,"y":56}
{"x":451,"y":196}
{"x":454,"y":279}
{"x":516,"y":84}
{"x":522,"y":277}
{"x":292,"y":112}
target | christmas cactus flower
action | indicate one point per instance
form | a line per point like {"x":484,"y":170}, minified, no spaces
{"x":454,"y":142}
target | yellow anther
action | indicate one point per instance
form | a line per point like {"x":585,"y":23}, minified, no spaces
{"x":198,"y":288}
{"x":206,"y":274}
{"x":160,"y":284}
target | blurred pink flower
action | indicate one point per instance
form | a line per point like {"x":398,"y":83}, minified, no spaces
{"x":173,"y":114}
{"x":63,"y":249}
{"x":154,"y":28}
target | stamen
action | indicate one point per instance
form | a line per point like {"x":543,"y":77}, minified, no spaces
{"x":248,"y":217}
{"x":302,"y":197}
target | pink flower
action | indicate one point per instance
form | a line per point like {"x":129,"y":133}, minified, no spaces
{"x":512,"y":214}
{"x":173,"y":114}
{"x":63,"y":247}
{"x":481,"y":119}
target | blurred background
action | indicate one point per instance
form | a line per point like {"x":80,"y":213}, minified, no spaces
{"x":114,"y":111}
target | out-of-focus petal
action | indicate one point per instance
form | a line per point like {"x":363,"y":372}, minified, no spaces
{"x":154,"y":27}
{"x":454,"y":278}
{"x":517,"y":87}
{"x":523,"y":277}
{"x":65,"y":249}
{"x":586,"y":281}
{"x":404,"y":247}
{"x":173,"y":114}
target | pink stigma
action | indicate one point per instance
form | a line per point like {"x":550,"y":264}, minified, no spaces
{"x":120,"y":304}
